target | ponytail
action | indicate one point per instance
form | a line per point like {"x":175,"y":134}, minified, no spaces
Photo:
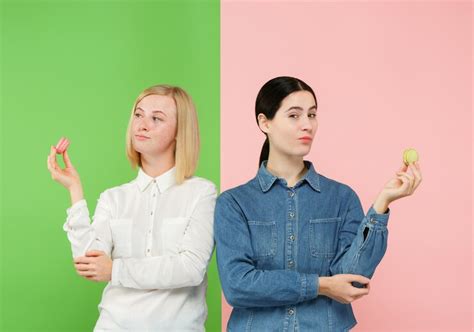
{"x":265,"y":151}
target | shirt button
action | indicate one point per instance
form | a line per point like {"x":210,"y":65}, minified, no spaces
{"x":148,"y":250}
{"x":291,"y":214}
{"x":372,"y":221}
{"x":292,"y":237}
{"x":154,"y":181}
{"x":154,"y":195}
{"x":291,"y":263}
{"x":151,"y":213}
{"x":291,"y":312}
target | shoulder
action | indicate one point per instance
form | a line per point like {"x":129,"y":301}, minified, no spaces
{"x":336,"y":187}
{"x":118,"y":191}
{"x":198,"y":185}
{"x":240,"y":193}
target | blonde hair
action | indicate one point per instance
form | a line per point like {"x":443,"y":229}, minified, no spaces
{"x":187,"y":134}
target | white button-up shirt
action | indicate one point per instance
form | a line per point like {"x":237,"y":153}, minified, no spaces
{"x":160,"y":237}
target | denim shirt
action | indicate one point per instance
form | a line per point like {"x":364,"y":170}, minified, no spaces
{"x":273,"y":242}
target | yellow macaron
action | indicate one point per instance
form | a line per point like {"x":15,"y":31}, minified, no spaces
{"x":410,"y":156}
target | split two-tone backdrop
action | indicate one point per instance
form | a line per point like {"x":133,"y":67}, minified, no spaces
{"x":388,"y":75}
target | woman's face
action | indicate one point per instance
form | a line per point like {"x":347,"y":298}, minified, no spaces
{"x":292,"y":129}
{"x":154,"y":125}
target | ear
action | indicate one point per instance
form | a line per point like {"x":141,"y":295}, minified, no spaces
{"x":263,"y":123}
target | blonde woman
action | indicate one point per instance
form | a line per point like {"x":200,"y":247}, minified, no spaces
{"x":151,"y":239}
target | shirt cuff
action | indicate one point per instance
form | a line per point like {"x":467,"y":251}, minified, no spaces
{"x":76,"y":207}
{"x":375,"y":218}
{"x":116,"y":267}
{"x":309,"y":286}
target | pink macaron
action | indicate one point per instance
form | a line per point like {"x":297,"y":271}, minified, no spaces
{"x":62,"y":145}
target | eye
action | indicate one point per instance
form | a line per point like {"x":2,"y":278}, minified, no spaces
{"x":294,"y":116}
{"x":155,"y":118}
{"x":312,"y":115}
{"x":137,"y":115}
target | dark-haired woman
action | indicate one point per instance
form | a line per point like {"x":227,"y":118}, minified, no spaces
{"x":294,"y":247}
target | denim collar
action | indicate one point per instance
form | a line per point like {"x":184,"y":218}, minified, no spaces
{"x":267,"y":179}
{"x":164,"y":181}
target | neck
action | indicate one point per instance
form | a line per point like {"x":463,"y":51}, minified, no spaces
{"x":290,"y":168}
{"x":156,"y":165}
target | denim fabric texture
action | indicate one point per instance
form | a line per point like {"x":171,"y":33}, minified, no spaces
{"x":273,"y":242}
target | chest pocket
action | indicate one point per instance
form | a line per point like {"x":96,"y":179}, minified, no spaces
{"x":263,"y":235}
{"x":172,"y":233}
{"x":323,"y":235}
{"x":121,"y":237}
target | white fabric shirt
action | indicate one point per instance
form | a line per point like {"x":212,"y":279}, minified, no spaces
{"x":160,"y":237}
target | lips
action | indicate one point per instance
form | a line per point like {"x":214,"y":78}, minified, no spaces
{"x":305,"y":138}
{"x":141,"y":137}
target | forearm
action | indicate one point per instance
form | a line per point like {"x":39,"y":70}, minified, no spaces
{"x":367,"y":248}
{"x":246,"y":286}
{"x":185,"y":269}
{"x":83,"y":235}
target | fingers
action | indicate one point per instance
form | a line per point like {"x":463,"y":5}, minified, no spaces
{"x":408,"y":181}
{"x":360,"y":279}
{"x":52,"y":158}
{"x":358,"y":292}
{"x":95,"y":253}
{"x":403,"y":168}
{"x":55,"y":173}
{"x":89,"y":274}
{"x":81,"y":267}
{"x":415,"y":168}
{"x":83,"y":260}
{"x":67,"y":161}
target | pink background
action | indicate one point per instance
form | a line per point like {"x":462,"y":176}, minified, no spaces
{"x":387,"y":76}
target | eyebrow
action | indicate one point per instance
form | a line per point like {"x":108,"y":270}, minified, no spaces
{"x":298,"y":108}
{"x":156,"y":111}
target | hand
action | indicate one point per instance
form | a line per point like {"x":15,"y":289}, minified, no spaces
{"x":403,"y":184}
{"x":95,"y":266}
{"x":68,"y":177}
{"x":339,"y":287}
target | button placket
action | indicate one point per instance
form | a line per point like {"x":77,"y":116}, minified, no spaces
{"x":149,"y":237}
{"x":291,"y":228}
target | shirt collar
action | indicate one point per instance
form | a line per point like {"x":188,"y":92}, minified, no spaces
{"x":266,"y":179}
{"x":164,"y":181}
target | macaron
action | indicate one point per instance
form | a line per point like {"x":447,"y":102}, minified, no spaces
{"x":62,"y":145}
{"x":410,"y":156}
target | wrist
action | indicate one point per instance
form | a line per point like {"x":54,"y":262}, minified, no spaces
{"x":381,"y":204}
{"x":324,"y":285}
{"x":76,"y":193}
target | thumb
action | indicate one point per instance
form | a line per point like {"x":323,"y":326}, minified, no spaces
{"x":95,"y":253}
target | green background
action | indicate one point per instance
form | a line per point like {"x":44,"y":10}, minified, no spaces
{"x":74,"y":68}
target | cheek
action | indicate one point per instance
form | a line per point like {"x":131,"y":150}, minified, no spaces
{"x":166,"y":133}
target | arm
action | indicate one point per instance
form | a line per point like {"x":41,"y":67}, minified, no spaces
{"x":85,"y":236}
{"x":243,"y":284}
{"x":362,"y":240}
{"x":185,"y":269}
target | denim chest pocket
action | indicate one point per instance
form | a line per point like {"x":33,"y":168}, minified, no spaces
{"x":263,"y":235}
{"x":121,"y":237}
{"x":323,"y":234}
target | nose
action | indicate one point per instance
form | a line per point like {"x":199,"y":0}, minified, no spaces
{"x":143,"y":124}
{"x":306,"y":124}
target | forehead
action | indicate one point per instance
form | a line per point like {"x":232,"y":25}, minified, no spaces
{"x":302,"y":99}
{"x":151,"y":103}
